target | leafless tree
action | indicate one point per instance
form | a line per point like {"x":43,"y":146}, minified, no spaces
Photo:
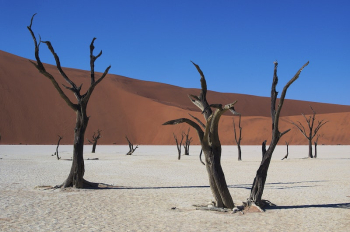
{"x":178,"y":145}
{"x":309,"y":132}
{"x":75,"y":177}
{"x":95,"y":138}
{"x":58,"y":144}
{"x":187,"y":143}
{"x":131,"y":147}
{"x":316,"y":142}
{"x":210,"y":142}
{"x":286,"y":156}
{"x":238,"y":138}
{"x":261,"y":174}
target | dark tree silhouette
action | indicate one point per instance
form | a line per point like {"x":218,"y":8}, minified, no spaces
{"x":316,"y":142}
{"x":238,"y":138}
{"x":75,"y":177}
{"x":95,"y":138}
{"x":178,"y":145}
{"x":58,"y":144}
{"x":260,"y":178}
{"x":310,"y":132}
{"x":187,"y":143}
{"x":286,"y":156}
{"x":210,"y":142}
{"x":131,"y":147}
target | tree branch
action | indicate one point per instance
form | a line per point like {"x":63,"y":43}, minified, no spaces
{"x":43,"y":71}
{"x":189,"y":122}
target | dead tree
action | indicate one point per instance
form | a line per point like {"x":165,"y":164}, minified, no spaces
{"x":75,"y":177}
{"x":238,"y":138}
{"x":178,"y":145}
{"x":95,"y":138}
{"x":261,"y":174}
{"x":187,"y":143}
{"x":286,"y":156}
{"x":310,"y":132}
{"x":210,"y":142}
{"x":315,"y":142}
{"x":58,"y":144}
{"x":131,"y":147}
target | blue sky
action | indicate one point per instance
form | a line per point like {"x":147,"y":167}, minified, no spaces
{"x":234,"y":42}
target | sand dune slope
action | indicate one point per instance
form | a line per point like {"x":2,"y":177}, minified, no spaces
{"x":32,"y":111}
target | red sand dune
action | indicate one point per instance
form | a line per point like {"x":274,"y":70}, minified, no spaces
{"x":32,"y":111}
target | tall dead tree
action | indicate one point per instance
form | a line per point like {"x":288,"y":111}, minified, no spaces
{"x":210,"y":142}
{"x":261,"y":174}
{"x":95,"y":138}
{"x":309,"y":132}
{"x":286,"y":156}
{"x":131,"y":147}
{"x":187,"y":143}
{"x":238,"y":138}
{"x":75,"y":177}
{"x":316,"y":142}
{"x":178,"y":145}
{"x":58,"y":144}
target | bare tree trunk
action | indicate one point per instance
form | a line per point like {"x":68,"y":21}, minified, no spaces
{"x":178,"y":145}
{"x":187,"y":143}
{"x":239,"y":152}
{"x":210,"y":142}
{"x":131,"y":147}
{"x":58,"y":144}
{"x":95,"y":139}
{"x":316,"y":142}
{"x":260,"y":178}
{"x":75,"y":177}
{"x":310,"y":149}
{"x":238,"y":138}
{"x":286,"y":156}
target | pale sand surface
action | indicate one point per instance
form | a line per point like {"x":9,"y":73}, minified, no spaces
{"x":310,"y":194}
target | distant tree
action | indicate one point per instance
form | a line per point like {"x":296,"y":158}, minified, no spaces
{"x":316,"y":142}
{"x":178,"y":145}
{"x":261,"y":174}
{"x":286,"y":156}
{"x":131,"y":147}
{"x":187,"y":142}
{"x":210,"y":142}
{"x":238,"y":138}
{"x":310,"y":132}
{"x":58,"y":144}
{"x":95,"y":138}
{"x":75,"y":177}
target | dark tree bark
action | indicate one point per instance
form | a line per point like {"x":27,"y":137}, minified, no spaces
{"x":260,"y":178}
{"x":58,"y":144}
{"x":316,"y":142}
{"x":311,"y":132}
{"x":187,"y":143}
{"x":286,"y":156}
{"x":210,"y":142}
{"x":95,"y":138}
{"x":75,"y":177}
{"x":131,"y":147}
{"x":238,"y":138}
{"x":178,"y":145}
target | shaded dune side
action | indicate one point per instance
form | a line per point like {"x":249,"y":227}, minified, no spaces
{"x":32,"y":111}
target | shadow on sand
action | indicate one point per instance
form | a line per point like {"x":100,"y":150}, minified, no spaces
{"x":339,"y":205}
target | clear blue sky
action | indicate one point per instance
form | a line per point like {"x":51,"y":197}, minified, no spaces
{"x":234,"y":42}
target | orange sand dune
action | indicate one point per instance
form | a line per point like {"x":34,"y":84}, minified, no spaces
{"x":32,"y":111}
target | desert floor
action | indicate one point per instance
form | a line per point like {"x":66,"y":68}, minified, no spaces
{"x":310,"y":194}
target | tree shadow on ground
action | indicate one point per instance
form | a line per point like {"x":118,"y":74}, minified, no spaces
{"x":241,"y":186}
{"x":339,"y":205}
